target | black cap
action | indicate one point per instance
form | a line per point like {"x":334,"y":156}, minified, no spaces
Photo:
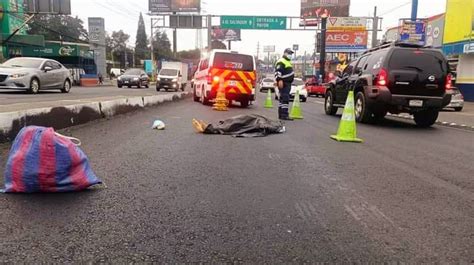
{"x":289,"y":51}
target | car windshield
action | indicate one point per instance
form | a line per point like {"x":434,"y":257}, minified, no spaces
{"x":23,"y":62}
{"x":133,"y":72}
{"x":169,"y":72}
{"x":298,"y":82}
{"x":268,"y":80}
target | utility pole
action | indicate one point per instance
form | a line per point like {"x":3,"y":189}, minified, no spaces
{"x":175,"y":39}
{"x":414,"y":9}
{"x":209,"y":29}
{"x":258,"y":50}
{"x":375,"y":27}
{"x":230,"y":44}
{"x":152,"y":37}
{"x":322,"y":59}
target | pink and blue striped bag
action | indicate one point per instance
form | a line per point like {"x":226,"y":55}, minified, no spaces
{"x":42,"y":160}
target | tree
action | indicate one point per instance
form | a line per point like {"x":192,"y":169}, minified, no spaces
{"x":216,"y":44}
{"x":162,"y":46}
{"x":141,"y":44}
{"x":58,"y":28}
{"x":190,"y":55}
{"x":117,"y":43}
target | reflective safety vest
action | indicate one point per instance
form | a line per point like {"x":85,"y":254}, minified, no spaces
{"x":284,"y":70}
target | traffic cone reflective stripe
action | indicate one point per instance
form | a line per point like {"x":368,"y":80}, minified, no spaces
{"x":347,"y":131}
{"x":269,"y":101}
{"x":296,"y":108}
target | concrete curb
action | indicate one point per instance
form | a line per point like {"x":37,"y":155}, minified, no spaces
{"x":441,"y":123}
{"x":66,"y":116}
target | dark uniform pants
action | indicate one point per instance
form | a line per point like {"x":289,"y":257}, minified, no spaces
{"x":284,"y":101}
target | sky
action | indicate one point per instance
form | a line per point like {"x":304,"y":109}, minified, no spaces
{"x":123,"y":14}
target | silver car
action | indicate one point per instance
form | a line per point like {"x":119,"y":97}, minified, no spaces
{"x":457,"y":100}
{"x":34,"y":74}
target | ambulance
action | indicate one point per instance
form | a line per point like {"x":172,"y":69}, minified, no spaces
{"x":232,"y":72}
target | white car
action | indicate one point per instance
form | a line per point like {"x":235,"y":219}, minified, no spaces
{"x":297,"y":85}
{"x":266,"y":84}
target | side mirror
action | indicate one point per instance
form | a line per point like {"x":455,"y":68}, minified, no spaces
{"x":48,"y":68}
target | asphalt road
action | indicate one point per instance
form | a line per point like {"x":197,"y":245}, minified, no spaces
{"x":176,"y":196}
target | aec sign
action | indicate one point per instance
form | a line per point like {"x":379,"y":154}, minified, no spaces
{"x":346,"y":41}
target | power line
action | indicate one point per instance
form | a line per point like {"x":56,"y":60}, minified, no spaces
{"x":395,"y":8}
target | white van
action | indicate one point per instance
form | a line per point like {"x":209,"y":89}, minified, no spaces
{"x":231,"y":71}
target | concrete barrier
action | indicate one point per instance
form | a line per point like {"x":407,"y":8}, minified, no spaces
{"x":66,"y":116}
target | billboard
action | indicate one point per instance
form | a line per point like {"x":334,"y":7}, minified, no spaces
{"x":97,"y":41}
{"x":269,"y":48}
{"x":316,"y":8}
{"x":413,"y":32}
{"x":346,"y":41}
{"x":459,"y":26}
{"x":158,"y":6}
{"x":61,"y":7}
{"x":218,"y":33}
{"x":435,"y":31}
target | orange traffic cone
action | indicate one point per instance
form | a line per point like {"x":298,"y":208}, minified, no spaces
{"x":221,"y":101}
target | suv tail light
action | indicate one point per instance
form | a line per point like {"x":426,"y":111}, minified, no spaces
{"x":449,"y":82}
{"x":382,"y":77}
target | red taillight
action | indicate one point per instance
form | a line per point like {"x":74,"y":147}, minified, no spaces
{"x":449,"y":82}
{"x":382,"y":77}
{"x":209,"y":79}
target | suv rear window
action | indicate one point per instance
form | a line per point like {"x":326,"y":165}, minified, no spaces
{"x":421,"y":60}
{"x":231,"y":61}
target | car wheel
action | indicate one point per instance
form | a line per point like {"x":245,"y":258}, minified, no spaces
{"x":203,"y":98}
{"x":304,"y":99}
{"x":458,"y":109}
{"x":244,"y":103}
{"x":139,"y":85}
{"x":34,"y":86}
{"x":129,"y":86}
{"x":362,"y":113}
{"x":183,"y":87}
{"x":147,"y":85}
{"x":329,"y":104}
{"x":195,"y":97}
{"x":119,"y":86}
{"x":66,"y":87}
{"x":158,"y":88}
{"x":426,"y":118}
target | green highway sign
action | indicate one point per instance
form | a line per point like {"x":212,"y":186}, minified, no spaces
{"x":247,"y":22}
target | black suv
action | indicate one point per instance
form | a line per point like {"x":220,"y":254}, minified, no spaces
{"x":394,"y":78}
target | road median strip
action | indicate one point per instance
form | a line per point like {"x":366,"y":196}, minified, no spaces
{"x":60,"y":117}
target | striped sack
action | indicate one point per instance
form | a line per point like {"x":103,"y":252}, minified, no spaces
{"x":41,"y":160}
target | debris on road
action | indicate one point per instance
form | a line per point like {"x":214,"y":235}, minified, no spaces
{"x":241,"y":126}
{"x":42,"y":160}
{"x":158,"y":125}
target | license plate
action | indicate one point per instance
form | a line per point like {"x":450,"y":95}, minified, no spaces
{"x":232,"y":83}
{"x":126,"y":82}
{"x":416,"y":103}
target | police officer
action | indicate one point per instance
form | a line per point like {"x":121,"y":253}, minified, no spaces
{"x":284,"y":76}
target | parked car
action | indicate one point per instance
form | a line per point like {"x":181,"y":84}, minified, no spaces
{"x":395,"y":78}
{"x":34,"y":74}
{"x":297,"y":85}
{"x":133,"y":77}
{"x":457,"y":100}
{"x":315,"y":89}
{"x":266,"y":84}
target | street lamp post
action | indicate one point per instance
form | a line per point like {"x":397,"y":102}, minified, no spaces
{"x":322,"y":59}
{"x":414,"y":9}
